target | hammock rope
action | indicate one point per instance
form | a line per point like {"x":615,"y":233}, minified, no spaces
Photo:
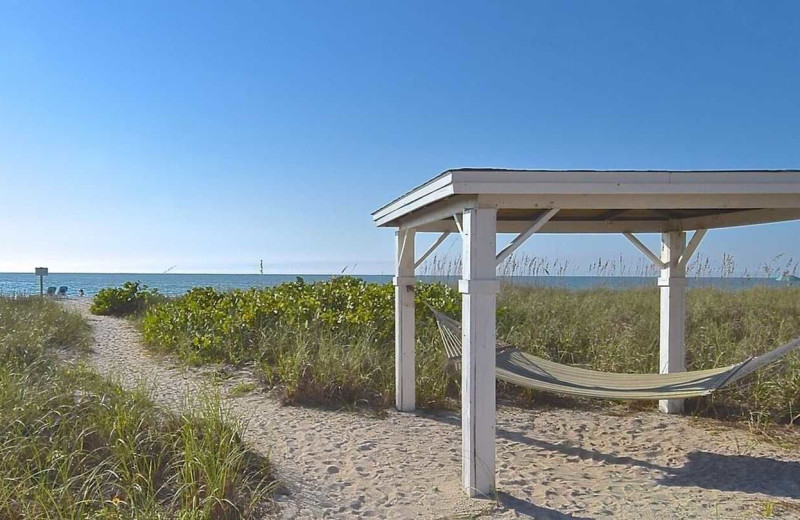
{"x":523,"y":369}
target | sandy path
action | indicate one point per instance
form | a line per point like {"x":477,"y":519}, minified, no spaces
{"x":552,"y":464}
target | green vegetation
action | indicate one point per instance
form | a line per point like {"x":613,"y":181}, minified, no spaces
{"x":74,"y":445}
{"x":242,"y":388}
{"x":324,"y":342}
{"x":31,"y":327}
{"x":333,"y":341}
{"x":618,"y":331}
{"x":131,"y":298}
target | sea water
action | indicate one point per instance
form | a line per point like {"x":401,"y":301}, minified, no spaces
{"x":177,"y":284}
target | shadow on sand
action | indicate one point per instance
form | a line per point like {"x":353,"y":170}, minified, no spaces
{"x":736,"y":473}
{"x":523,"y":507}
{"x":743,"y":473}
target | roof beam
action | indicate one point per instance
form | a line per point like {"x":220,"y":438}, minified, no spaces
{"x":723,"y":220}
{"x":667,"y":214}
{"x":525,"y":235}
{"x":668,"y":201}
{"x":436,"y":212}
{"x":740,"y":218}
{"x":559,"y":226}
{"x":606,"y":190}
{"x":644,"y":249}
{"x":612,"y":214}
{"x":430,"y":250}
{"x":431,"y":191}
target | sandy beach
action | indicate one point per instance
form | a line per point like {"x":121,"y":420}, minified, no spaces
{"x":552,"y":463}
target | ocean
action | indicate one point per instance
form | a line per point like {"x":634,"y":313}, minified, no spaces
{"x":177,"y":284}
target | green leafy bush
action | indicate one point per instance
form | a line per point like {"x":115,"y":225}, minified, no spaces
{"x":325,"y":341}
{"x":333,"y":340}
{"x":131,"y":298}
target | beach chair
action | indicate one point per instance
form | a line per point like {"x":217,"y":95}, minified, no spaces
{"x":62,"y":291}
{"x":51,"y":291}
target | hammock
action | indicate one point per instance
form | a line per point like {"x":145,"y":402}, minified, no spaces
{"x":522,"y":369}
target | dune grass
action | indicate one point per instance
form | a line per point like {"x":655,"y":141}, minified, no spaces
{"x":618,"y":331}
{"x":332,"y":342}
{"x":75,"y":445}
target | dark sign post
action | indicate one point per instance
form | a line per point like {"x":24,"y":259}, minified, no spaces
{"x":41,"y":272}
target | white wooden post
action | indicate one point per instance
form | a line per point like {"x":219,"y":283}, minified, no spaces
{"x":404,"y":334}
{"x":479,"y":288}
{"x":673,"y":312}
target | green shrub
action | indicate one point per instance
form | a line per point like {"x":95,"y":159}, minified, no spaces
{"x":75,"y":445}
{"x":131,"y":298}
{"x":333,"y":341}
{"x":324,"y":341}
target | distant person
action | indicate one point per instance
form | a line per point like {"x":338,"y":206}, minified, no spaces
{"x":80,"y":293}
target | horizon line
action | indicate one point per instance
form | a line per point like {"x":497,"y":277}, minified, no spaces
{"x":300,"y":275}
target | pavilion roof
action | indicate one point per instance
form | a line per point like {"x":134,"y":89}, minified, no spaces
{"x":592,"y":201}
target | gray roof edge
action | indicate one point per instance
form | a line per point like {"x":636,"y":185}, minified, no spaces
{"x":522,"y":170}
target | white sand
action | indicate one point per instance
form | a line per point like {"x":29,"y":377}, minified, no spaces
{"x":552,"y":464}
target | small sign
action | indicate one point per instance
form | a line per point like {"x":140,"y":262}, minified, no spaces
{"x":41,"y":271}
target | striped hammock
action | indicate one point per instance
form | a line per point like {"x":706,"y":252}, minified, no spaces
{"x":523,"y":369}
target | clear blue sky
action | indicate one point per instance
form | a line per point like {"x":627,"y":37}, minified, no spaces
{"x":139,"y":135}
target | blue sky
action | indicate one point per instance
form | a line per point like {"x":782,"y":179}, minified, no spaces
{"x":135,"y":136}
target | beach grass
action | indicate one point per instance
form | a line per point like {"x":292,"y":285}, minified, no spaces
{"x":332,"y":342}
{"x":76,"y":445}
{"x":618,"y":331}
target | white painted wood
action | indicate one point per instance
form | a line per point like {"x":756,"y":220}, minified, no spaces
{"x":697,"y":237}
{"x":640,"y":201}
{"x":519,"y":226}
{"x":645,"y":250}
{"x":623,"y":179}
{"x":611,"y":189}
{"x":402,"y":241}
{"x":404,"y":333}
{"x":739,"y":218}
{"x":753,"y":201}
{"x":442,"y":210}
{"x":672,"y":286}
{"x":525,"y":235}
{"x":759,"y":197}
{"x":479,"y":288}
{"x":457,"y":218}
{"x":441,"y":193}
{"x":434,"y":188}
{"x":431,"y":249}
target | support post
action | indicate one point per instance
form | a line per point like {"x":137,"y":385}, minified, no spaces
{"x":672,"y":284}
{"x":404,"y":333}
{"x":479,"y":288}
